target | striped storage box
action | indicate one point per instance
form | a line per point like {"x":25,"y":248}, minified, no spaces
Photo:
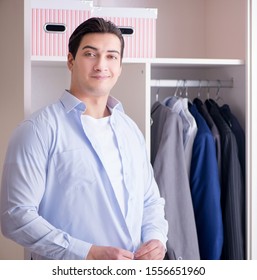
{"x":52,"y":26}
{"x":140,"y":26}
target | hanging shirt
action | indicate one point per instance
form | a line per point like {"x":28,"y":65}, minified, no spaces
{"x":57,"y":198}
{"x":192,"y":134}
{"x":180,"y":105}
{"x":175,"y":104}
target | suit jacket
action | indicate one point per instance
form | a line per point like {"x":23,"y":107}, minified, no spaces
{"x":167,"y":157}
{"x":239,"y":133}
{"x":202,"y":109}
{"x":205,"y":190}
{"x":232,"y":189}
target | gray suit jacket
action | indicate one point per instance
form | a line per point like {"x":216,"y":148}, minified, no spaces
{"x":168,"y":160}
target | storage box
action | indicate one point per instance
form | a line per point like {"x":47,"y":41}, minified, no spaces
{"x":52,"y":26}
{"x":142,"y":42}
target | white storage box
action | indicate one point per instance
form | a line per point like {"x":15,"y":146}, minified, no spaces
{"x":52,"y":26}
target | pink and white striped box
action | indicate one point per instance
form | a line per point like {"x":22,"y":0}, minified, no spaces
{"x":47,"y":14}
{"x":142,"y":42}
{"x":52,"y":27}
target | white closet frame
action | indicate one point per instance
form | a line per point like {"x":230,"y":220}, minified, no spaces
{"x":251,"y":117}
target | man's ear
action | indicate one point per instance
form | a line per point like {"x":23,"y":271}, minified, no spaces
{"x":70,"y":61}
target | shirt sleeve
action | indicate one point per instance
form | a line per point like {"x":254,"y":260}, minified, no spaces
{"x":23,"y":186}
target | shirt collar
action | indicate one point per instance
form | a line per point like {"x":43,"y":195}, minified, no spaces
{"x":114,"y":104}
{"x":71,"y":102}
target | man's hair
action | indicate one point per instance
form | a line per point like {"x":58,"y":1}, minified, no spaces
{"x":93,"y":25}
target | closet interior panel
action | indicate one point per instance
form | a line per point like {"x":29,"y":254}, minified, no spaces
{"x":48,"y":81}
{"x":129,"y":90}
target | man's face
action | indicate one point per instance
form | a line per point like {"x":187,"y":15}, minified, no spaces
{"x":97,"y":65}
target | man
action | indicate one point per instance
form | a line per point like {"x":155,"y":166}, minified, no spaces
{"x":77,"y":183}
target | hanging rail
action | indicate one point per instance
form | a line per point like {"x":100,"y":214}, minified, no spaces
{"x":193,"y":83}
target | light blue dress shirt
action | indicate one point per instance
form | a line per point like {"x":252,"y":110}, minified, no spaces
{"x":57,"y":199}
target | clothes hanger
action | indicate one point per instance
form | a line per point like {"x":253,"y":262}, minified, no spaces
{"x":178,"y":88}
{"x":218,"y":97}
{"x":174,"y":95}
{"x":186,"y":94}
{"x":157,"y":94}
{"x":208,"y":90}
{"x":184,"y":91}
{"x":199,"y":90}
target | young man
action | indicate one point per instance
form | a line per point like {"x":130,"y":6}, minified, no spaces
{"x":77,"y":183}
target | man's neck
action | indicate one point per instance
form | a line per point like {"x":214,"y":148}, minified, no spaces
{"x":96,"y":106}
{"x":97,"y":111}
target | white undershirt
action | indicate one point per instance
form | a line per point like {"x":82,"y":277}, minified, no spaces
{"x":101,"y":134}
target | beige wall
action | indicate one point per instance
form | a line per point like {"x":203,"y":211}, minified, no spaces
{"x":226,"y":28}
{"x":196,"y":28}
{"x":11,"y":89}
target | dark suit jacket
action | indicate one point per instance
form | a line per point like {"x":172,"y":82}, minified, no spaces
{"x":202,"y":109}
{"x":232,"y":189}
{"x":239,"y":133}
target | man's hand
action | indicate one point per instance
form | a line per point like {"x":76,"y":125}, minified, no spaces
{"x":108,"y":253}
{"x":151,"y":250}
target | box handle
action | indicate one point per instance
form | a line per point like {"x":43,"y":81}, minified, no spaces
{"x":126,"y":30}
{"x":55,"y":27}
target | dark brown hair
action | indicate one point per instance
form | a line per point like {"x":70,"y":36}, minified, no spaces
{"x":93,"y":25}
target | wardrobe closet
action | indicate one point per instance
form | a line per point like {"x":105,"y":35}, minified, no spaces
{"x":205,"y":205}
{"x":209,"y":67}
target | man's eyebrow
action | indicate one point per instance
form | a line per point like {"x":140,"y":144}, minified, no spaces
{"x":89,"y":47}
{"x":96,"y":49}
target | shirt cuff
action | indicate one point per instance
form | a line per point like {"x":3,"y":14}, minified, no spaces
{"x":154,"y":235}
{"x":77,"y":250}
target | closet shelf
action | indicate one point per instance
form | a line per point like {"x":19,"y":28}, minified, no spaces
{"x":155,"y":62}
{"x":61,"y":60}
{"x":194,"y":62}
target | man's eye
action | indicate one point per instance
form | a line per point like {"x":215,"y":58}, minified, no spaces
{"x":89,"y":54}
{"x":112,"y":57}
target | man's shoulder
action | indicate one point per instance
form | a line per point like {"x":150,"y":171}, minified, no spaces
{"x":46,"y":113}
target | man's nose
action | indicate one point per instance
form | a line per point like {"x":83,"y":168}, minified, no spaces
{"x":101,"y":64}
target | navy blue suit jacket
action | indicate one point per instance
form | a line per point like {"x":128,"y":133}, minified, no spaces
{"x":205,"y":190}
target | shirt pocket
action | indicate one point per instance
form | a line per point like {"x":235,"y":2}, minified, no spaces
{"x":74,"y":169}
